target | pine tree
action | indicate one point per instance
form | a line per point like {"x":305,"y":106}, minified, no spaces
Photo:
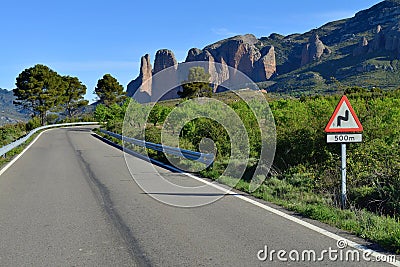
{"x":40,"y":90}
{"x":197,"y":84}
{"x":110,"y":91}
{"x":73,"y":94}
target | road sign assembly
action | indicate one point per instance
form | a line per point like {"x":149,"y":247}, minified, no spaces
{"x":340,"y":129}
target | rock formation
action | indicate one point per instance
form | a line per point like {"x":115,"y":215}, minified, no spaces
{"x":266,"y":65}
{"x":384,"y":40}
{"x":378,"y":43}
{"x":313,"y":50}
{"x":164,"y":85}
{"x":193,"y":54}
{"x":143,"y":82}
{"x":369,"y":34}
{"x":239,"y":52}
{"x":392,"y":39}
{"x":362,"y":47}
{"x":164,"y":59}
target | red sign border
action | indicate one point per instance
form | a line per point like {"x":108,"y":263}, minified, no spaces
{"x":344,"y":130}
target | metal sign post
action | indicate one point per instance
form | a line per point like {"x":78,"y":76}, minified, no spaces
{"x":340,"y":129}
{"x":344,"y":193}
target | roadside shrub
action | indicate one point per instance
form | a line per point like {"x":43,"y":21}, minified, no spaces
{"x":33,"y":123}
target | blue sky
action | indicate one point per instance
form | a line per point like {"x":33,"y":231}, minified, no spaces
{"x":88,"y":39}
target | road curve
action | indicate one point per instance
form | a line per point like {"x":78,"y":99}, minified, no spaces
{"x":70,"y":200}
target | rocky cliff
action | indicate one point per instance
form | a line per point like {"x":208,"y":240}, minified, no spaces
{"x":144,"y":81}
{"x":313,"y":50}
{"x":242,"y":53}
{"x":363,"y":50}
{"x":164,"y":59}
{"x":239,"y":52}
{"x":384,"y":40}
{"x":144,"y":86}
{"x":362,"y":47}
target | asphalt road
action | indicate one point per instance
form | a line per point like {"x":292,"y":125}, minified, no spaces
{"x":70,"y":200}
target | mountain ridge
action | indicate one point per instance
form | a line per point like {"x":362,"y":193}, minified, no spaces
{"x":363,"y":50}
{"x":9,"y":113}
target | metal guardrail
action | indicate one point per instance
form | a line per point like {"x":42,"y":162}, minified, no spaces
{"x":7,"y":148}
{"x":188,"y":154}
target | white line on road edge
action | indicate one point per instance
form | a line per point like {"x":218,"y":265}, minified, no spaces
{"x":8,"y":165}
{"x":284,"y":215}
{"x":297,"y":220}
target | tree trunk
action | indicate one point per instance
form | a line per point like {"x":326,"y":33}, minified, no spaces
{"x":42,"y":118}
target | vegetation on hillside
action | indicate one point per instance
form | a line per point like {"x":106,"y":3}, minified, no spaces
{"x":378,"y":68}
{"x":11,"y":132}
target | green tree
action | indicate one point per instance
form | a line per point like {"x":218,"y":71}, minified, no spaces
{"x":158,"y":114}
{"x":197,"y":84}
{"x":110,"y":91}
{"x":74,"y":93}
{"x":103,"y":114}
{"x":39,"y":89}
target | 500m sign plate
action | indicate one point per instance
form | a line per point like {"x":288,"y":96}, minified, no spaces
{"x":344,"y":138}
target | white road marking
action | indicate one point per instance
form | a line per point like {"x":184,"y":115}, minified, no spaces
{"x":287,"y":216}
{"x":8,"y":165}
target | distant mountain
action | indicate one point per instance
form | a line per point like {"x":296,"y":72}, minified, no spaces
{"x":360,"y":51}
{"x":9,"y":113}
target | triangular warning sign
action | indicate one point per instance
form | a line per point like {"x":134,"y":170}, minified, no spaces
{"x":344,"y":119}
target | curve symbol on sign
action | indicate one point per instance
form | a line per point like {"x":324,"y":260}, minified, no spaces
{"x":341,"y":118}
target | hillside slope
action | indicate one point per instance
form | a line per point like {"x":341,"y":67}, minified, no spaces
{"x":9,"y":113}
{"x":360,"y":51}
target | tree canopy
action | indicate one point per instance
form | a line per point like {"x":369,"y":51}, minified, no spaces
{"x":42,"y":90}
{"x":74,"y":93}
{"x":39,"y":89}
{"x":197,"y":84}
{"x":110,"y":91}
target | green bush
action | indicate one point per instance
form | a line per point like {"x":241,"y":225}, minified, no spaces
{"x":303,"y":159}
{"x":11,"y":132}
{"x":33,"y":123}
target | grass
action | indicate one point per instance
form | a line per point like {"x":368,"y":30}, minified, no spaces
{"x":382,"y":230}
{"x":11,"y":132}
